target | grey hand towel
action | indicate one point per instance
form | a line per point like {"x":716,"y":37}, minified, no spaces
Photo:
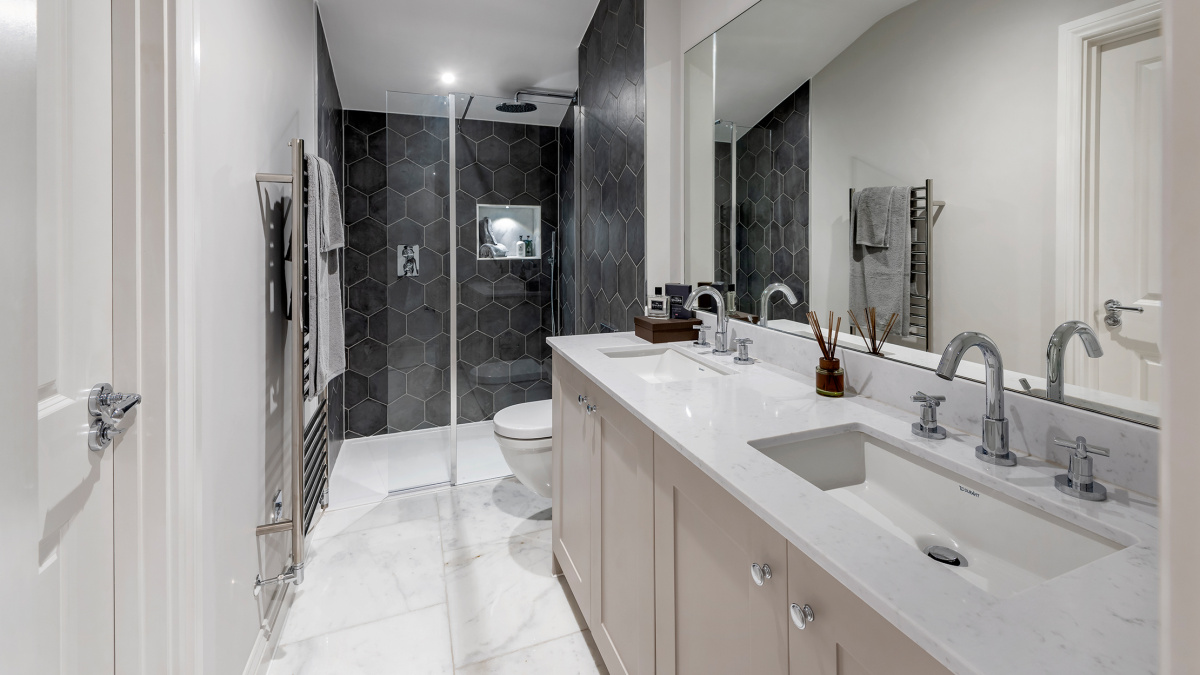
{"x":325,"y":235}
{"x":873,"y":215}
{"x":880,"y":276}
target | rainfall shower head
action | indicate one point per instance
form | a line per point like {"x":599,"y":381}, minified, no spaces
{"x":516,"y":107}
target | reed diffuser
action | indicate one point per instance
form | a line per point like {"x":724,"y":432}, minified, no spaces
{"x":831,"y":377}
{"x":871,"y":336}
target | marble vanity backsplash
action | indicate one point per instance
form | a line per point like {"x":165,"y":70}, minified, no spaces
{"x":1033,"y":423}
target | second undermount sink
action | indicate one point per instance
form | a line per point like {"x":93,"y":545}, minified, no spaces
{"x":659,"y":364}
{"x":994,"y":541}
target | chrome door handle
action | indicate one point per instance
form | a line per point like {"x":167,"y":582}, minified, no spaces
{"x":760,"y":573}
{"x":582,"y":399}
{"x":107,"y":408}
{"x":801,"y":616}
{"x":591,"y":408}
{"x":1113,"y":309}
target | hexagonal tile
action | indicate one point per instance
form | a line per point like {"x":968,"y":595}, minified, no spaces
{"x":475,"y":406}
{"x":397,"y":324}
{"x":367,"y":357}
{"x":406,"y":413}
{"x":476,"y":130}
{"x":431,"y":265}
{"x":525,"y":155}
{"x":437,"y":178}
{"x":423,"y":148}
{"x":424,"y":207}
{"x":509,"y":394}
{"x":795,"y":128}
{"x":525,"y":317}
{"x":354,"y":388}
{"x":381,"y":266}
{"x":510,"y":181}
{"x":437,"y":351}
{"x":424,"y":381}
{"x":366,"y":175}
{"x":475,"y":349}
{"x":355,"y":267}
{"x":367,"y":418}
{"x":468,"y":320}
{"x":492,"y":153}
{"x":366,"y":236}
{"x":475,"y":180}
{"x":377,"y":386}
{"x":378,"y":327}
{"x":781,"y":262}
{"x":356,"y":327}
{"x":542,"y":184}
{"x":406,"y":295}
{"x":510,"y":345}
{"x":424,"y":323}
{"x":437,"y":409}
{"x":476,"y":292}
{"x":377,"y":146}
{"x":355,"y":145}
{"x":405,"y":177}
{"x":368,"y":296}
{"x":437,"y":294}
{"x":493,"y":319}
{"x":608,"y":274}
{"x":509,"y":291}
{"x":407,"y":352}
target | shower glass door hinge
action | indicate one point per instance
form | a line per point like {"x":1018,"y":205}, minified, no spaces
{"x":293,"y":574}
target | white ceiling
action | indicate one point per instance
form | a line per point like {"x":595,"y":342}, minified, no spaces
{"x":494,"y":48}
{"x":775,"y":46}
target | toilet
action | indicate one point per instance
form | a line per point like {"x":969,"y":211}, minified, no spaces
{"x":524,"y":432}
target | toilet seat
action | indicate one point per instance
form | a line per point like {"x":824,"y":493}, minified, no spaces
{"x":526,"y":421}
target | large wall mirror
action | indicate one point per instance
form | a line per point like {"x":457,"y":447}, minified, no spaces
{"x":985,"y":165}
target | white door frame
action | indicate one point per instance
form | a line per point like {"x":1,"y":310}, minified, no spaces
{"x":155,"y":521}
{"x":1079,"y":45}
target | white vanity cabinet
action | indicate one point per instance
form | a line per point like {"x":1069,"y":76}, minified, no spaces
{"x":671,"y":572}
{"x":604,"y":518}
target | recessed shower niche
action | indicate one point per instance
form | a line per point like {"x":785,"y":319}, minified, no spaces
{"x":509,"y":231}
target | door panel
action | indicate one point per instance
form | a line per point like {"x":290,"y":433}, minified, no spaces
{"x":623,"y":613}
{"x":1129,"y":214}
{"x":846,"y":637}
{"x":572,"y":490}
{"x":74,"y":326}
{"x":710,"y":616}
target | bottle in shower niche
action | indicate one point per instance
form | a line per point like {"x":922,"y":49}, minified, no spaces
{"x":656,"y":304}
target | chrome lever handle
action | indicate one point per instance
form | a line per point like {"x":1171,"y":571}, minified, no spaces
{"x":107,"y":408}
{"x":1081,"y":447}
{"x":1113,"y":310}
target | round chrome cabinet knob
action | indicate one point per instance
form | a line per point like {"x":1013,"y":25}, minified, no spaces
{"x":801,"y":616}
{"x":760,"y":573}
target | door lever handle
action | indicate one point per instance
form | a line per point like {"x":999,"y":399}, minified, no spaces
{"x":107,"y":408}
{"x":1113,"y":309}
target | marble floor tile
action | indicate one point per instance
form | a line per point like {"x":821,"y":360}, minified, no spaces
{"x":390,"y":511}
{"x":365,"y":576}
{"x":481,"y":513}
{"x":571,"y":655}
{"x":416,"y":642}
{"x":502,"y":597}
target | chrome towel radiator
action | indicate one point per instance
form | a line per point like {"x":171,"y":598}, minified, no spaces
{"x":309,"y":441}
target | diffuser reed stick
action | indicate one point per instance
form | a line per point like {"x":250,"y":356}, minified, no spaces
{"x":872,"y":337}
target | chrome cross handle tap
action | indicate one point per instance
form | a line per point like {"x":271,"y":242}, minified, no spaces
{"x":1078,"y":481}
{"x":928,"y":426}
{"x":743,"y":351}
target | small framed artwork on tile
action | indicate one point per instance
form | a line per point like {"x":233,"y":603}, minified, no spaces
{"x":408,"y":262}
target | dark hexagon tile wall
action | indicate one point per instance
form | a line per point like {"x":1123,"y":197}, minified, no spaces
{"x":504,"y":306}
{"x":397,"y":339}
{"x":772,"y":208}
{"x":611,"y":283}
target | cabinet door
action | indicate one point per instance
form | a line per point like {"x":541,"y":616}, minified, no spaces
{"x":622,"y":619}
{"x":571,"y":485}
{"x":846,"y":637}
{"x":710,"y":616}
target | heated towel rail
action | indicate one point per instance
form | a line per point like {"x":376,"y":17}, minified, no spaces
{"x":923,"y":213}
{"x":309,"y":441}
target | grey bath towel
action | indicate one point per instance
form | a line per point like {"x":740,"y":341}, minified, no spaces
{"x":873,"y":215}
{"x":325,"y":235}
{"x":880,"y":275}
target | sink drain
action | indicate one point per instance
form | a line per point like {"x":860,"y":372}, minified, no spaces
{"x":946,"y":556}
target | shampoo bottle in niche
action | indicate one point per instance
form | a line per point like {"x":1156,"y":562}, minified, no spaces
{"x":656,"y":305}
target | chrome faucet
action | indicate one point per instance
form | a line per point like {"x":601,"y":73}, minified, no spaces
{"x":764,"y":300}
{"x":720,"y":346}
{"x":995,"y":427}
{"x":1058,"y":346}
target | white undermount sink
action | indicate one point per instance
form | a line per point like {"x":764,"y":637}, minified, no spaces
{"x":1002,"y":545}
{"x":659,"y":364}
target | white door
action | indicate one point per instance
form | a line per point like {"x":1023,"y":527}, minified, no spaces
{"x":1129,"y":215}
{"x":56,"y":204}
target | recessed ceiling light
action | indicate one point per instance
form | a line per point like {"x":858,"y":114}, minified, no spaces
{"x":448,"y":78}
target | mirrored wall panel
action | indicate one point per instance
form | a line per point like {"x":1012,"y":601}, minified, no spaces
{"x":959,"y":165}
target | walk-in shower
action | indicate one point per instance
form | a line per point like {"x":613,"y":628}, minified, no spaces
{"x":435,"y":354}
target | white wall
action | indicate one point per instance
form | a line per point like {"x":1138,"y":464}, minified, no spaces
{"x":248,"y":89}
{"x":1180,"y":594}
{"x":22,"y":590}
{"x":963,"y":92}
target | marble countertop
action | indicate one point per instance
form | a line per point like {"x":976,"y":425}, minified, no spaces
{"x":1099,"y":618}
